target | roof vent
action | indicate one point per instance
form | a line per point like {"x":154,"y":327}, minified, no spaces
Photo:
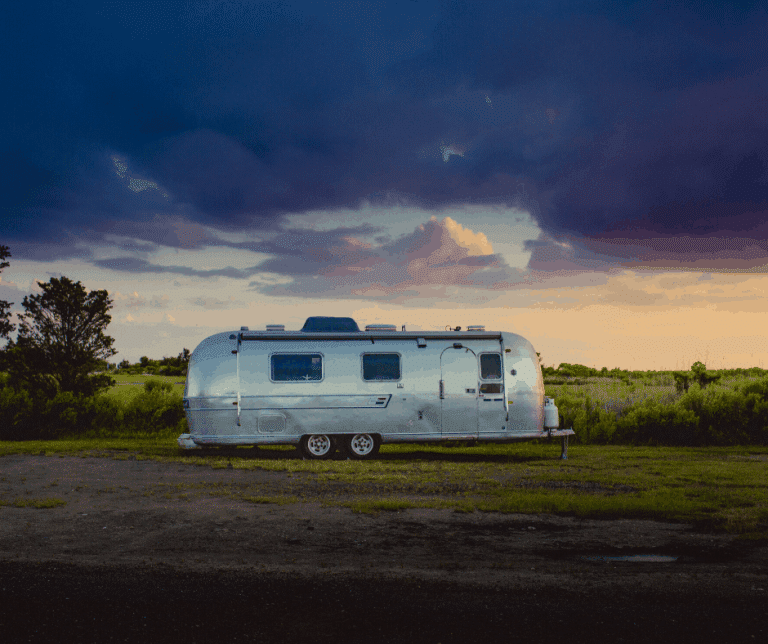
{"x":380,"y":327}
{"x":275,"y":327}
{"x":325,"y":325}
{"x":243,"y":328}
{"x":476,"y":327}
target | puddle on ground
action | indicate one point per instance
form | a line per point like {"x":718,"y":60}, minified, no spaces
{"x":633,"y":558}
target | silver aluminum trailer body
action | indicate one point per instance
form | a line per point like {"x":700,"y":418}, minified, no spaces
{"x":278,"y":387}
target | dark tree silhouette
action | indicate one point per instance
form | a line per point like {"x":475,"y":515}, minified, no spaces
{"x":698,"y":374}
{"x":6,"y":328}
{"x":61,"y":340}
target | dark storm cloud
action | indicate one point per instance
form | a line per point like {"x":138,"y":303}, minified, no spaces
{"x":134,"y":265}
{"x":294,"y":252}
{"x":639,"y":120}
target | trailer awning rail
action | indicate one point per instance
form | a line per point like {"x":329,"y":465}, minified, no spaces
{"x":269,"y":336}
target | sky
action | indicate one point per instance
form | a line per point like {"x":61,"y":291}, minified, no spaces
{"x":590,"y":175}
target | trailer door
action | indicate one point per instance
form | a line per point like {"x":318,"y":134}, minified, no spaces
{"x":458,"y":377}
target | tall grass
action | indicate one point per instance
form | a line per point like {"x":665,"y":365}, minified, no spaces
{"x":617,"y":395}
{"x":650,"y":410}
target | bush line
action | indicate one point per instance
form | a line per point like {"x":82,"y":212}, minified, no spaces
{"x":156,"y":410}
{"x":711,"y":416}
{"x":701,"y":417}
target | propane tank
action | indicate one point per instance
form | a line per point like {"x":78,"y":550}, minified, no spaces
{"x":551,"y":414}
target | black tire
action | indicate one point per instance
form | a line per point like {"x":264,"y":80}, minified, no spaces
{"x":361,"y":446}
{"x":317,"y":446}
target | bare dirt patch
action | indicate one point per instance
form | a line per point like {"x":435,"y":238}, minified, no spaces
{"x":147,"y":518}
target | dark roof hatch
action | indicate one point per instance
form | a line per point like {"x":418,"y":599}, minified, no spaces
{"x":323,"y":324}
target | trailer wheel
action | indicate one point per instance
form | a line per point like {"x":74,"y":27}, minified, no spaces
{"x":317,"y":446}
{"x":361,"y":446}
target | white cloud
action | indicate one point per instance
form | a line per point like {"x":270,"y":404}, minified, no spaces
{"x":475,"y":243}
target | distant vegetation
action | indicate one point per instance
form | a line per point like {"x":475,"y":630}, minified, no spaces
{"x":164,"y":367}
{"x":698,"y":407}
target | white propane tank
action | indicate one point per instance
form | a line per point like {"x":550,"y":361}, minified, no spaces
{"x":551,"y":414}
{"x":185,"y":441}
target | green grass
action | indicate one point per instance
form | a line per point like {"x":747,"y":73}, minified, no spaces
{"x":718,"y":488}
{"x":141,"y":379}
{"x":374,"y":506}
{"x":129,"y":385}
{"x":40,"y":504}
{"x":261,"y":499}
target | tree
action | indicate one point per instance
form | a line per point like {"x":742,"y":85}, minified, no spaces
{"x":6,"y":328}
{"x":575,"y":370}
{"x":700,"y":375}
{"x":61,"y":340}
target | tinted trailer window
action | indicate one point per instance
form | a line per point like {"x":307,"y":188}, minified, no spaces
{"x":296,"y":367}
{"x":381,"y":366}
{"x":490,"y":366}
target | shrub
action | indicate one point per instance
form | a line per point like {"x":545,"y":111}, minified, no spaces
{"x":155,"y":409}
{"x":15,"y":412}
{"x":591,"y":423}
{"x":653,"y":424}
{"x":27,"y":416}
{"x":70,"y":415}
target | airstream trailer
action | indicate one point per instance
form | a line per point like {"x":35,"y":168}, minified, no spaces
{"x":332,"y":387}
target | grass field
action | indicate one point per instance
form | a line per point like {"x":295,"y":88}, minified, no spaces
{"x":129,"y":385}
{"x":715,"y":488}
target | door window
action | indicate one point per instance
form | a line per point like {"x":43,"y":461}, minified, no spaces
{"x":490,"y":366}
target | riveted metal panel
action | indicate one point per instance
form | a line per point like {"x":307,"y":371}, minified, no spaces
{"x":271,"y":423}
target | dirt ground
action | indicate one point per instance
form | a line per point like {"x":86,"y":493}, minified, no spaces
{"x":147,"y":551}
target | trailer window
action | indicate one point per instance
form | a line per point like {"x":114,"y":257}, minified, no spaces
{"x":297,"y":367}
{"x":490,"y":366}
{"x":381,"y":366}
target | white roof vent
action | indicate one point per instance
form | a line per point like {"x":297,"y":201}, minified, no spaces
{"x":275,"y":327}
{"x":380,"y":327}
{"x":476,"y":327}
